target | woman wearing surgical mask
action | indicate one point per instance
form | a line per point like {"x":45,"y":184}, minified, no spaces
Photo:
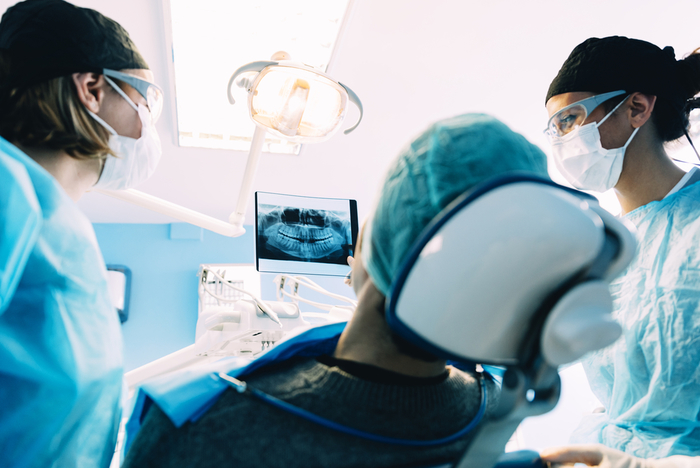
{"x":612,"y":107}
{"x":77,"y":108}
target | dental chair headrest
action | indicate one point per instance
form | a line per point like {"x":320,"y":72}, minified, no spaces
{"x":516,"y":268}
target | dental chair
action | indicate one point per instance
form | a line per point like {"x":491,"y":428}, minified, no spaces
{"x":512,"y":274}
{"x":519,"y":271}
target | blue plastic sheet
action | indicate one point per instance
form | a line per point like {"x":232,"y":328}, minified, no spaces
{"x":187,"y":394}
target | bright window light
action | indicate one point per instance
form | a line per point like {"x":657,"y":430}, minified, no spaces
{"x":212,"y":38}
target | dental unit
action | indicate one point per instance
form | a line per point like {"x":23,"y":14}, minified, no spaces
{"x":235,"y":321}
{"x":557,"y":308}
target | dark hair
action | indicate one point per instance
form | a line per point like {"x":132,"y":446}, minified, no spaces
{"x":49,"y":115}
{"x":670,"y":116}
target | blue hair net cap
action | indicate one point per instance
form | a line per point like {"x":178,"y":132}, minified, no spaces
{"x":451,"y":157}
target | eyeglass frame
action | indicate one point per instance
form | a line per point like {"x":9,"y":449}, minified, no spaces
{"x":589,"y":104}
{"x":139,"y":84}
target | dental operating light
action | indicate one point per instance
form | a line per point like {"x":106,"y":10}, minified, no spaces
{"x":294,"y":101}
{"x":289,"y":99}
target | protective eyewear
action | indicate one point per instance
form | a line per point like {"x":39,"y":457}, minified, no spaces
{"x":150,"y":92}
{"x":573,"y":115}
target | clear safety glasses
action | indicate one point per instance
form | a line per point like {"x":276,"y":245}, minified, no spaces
{"x":150,"y":91}
{"x":573,"y":115}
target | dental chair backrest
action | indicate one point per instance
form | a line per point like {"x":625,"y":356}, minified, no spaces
{"x":514,"y":273}
{"x":517,"y":268}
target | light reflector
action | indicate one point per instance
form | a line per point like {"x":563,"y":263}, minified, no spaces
{"x":297,"y":104}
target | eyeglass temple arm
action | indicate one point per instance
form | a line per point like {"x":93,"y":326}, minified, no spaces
{"x":253,"y":66}
{"x":601,"y":98}
{"x":356,"y":100}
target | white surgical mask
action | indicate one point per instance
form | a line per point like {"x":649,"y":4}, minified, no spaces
{"x":136,"y":159}
{"x":582,"y":160}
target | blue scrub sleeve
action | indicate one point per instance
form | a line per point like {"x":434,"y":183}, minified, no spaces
{"x":20,"y":222}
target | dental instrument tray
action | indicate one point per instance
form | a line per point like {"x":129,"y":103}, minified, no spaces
{"x":304,"y":235}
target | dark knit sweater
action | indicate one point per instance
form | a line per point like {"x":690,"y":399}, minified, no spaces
{"x":241,"y":431}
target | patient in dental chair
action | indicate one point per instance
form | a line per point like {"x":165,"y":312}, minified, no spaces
{"x":374,"y":381}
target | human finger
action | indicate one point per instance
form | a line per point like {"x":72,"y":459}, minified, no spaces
{"x":348,"y":277}
{"x":591,"y":455}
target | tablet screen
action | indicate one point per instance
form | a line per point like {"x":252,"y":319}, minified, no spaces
{"x":304,"y":235}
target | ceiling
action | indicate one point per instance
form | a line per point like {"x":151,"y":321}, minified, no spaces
{"x":411,"y":62}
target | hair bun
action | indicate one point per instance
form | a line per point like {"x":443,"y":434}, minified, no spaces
{"x":689,"y":74}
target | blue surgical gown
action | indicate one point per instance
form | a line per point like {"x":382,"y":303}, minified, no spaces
{"x":60,"y":337}
{"x":649,"y":380}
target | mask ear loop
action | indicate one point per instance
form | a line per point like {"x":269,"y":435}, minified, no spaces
{"x":124,"y":95}
{"x":121,"y":92}
{"x":612,"y":111}
{"x":102,"y":122}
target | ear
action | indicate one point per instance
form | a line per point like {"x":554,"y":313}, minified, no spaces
{"x":91,"y":90}
{"x":640,"y":108}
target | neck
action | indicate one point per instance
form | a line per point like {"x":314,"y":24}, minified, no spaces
{"x":367,"y":339}
{"x":75,"y":176}
{"x":647,"y":173}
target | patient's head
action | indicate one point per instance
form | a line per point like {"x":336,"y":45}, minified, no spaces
{"x":450,"y":157}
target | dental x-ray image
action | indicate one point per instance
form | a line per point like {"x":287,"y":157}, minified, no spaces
{"x":293,"y":231}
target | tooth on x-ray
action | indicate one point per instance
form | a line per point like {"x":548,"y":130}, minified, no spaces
{"x":305,"y":234}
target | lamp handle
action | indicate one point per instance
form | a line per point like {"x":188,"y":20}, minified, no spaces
{"x":252,"y":66}
{"x":356,"y":100}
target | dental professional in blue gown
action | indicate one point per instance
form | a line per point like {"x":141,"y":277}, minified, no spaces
{"x":613,"y":106}
{"x":77,"y":106}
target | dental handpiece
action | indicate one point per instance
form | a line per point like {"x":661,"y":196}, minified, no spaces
{"x":269,"y":312}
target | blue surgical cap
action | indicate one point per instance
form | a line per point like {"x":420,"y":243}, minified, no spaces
{"x":449,"y":158}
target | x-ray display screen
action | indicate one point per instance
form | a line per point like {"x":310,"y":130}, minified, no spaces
{"x":304,"y":235}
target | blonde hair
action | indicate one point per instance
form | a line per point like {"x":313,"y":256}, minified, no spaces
{"x":50,"y":115}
